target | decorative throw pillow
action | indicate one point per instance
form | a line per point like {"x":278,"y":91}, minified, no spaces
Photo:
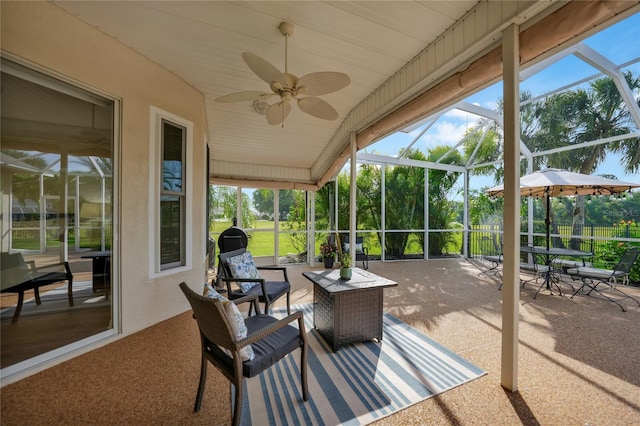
{"x":358,"y":247}
{"x":211,"y":293}
{"x":243,"y":266}
{"x":239,"y":329}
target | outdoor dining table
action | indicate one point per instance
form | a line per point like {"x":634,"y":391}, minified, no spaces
{"x":99,"y":274}
{"x":550,"y":254}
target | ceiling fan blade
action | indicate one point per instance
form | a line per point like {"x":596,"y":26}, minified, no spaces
{"x":243,"y":96}
{"x":318,"y":108}
{"x":276,"y":113}
{"x":264,"y":69}
{"x":321,"y":83}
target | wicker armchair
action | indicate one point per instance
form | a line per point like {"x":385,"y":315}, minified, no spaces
{"x":269,"y":338}
{"x":362,"y":252}
{"x":267,"y":291}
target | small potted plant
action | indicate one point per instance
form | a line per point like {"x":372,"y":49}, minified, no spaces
{"x":345,"y":261}
{"x":328,"y":253}
{"x":345,"y":268}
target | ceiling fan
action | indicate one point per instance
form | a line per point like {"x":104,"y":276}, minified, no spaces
{"x":289,"y":87}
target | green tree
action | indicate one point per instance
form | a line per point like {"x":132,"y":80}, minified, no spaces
{"x":482,"y":145}
{"x":404,"y":209}
{"x":404,"y":203}
{"x":224,"y":200}
{"x":296,"y":222}
{"x":442,"y":210}
{"x":263,"y":201}
{"x":324,"y":200}
{"x":483,"y":209}
{"x":369,"y":196}
{"x":584,"y":115}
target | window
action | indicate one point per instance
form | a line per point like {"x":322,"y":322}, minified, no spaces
{"x":172,"y":196}
{"x":170,"y":193}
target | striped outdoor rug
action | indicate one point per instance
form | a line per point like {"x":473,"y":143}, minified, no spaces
{"x":357,"y":385}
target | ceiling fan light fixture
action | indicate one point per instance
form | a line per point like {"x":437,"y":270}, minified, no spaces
{"x":260,"y":106}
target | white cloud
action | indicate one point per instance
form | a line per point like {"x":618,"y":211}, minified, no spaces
{"x":444,"y":133}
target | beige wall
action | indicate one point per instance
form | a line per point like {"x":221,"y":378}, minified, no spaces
{"x":42,"y":34}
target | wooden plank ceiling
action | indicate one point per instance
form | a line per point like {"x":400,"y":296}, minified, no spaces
{"x":372,"y":42}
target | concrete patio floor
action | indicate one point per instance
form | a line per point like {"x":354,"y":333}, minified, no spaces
{"x":578,"y":360}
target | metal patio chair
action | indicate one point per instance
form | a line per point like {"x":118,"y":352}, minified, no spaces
{"x":495,"y":257}
{"x":593,"y":277}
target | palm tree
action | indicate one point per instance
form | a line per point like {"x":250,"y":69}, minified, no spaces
{"x":584,"y":115}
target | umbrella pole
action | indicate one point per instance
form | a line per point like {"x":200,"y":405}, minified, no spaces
{"x":547,"y":257}
{"x":547,"y":221}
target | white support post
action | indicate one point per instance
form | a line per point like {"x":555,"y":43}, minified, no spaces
{"x":425,"y":223}
{"x":383,"y":210}
{"x":43,"y":220}
{"x":352,"y":200}
{"x":64,"y":207}
{"x":336,"y":224}
{"x":511,"y":278}
{"x":465,"y":218}
{"x":276,"y":227}
{"x":311,"y":228}
{"x":76,"y":213}
{"x":239,"y":207}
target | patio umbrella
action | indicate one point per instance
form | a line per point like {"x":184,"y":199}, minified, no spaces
{"x":562,"y":183}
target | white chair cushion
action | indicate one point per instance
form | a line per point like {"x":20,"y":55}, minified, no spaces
{"x":593,"y":272}
{"x":534,"y":267}
{"x":564,"y":263}
{"x":239,"y":329}
{"x":358,"y":247}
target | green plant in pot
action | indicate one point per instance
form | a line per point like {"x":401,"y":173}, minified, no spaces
{"x":345,"y":260}
{"x":345,"y":269}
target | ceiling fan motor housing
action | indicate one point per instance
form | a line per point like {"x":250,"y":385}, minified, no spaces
{"x":286,"y":29}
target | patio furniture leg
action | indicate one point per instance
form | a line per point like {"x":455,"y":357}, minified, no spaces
{"x":594,"y":288}
{"x":535,"y":278}
{"x":70,"y":291}
{"x":492,"y":270}
{"x":16,"y":314}
{"x":201,"y":384}
{"x":612,"y":287}
{"x":549,"y":279}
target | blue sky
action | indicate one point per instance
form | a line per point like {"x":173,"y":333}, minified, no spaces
{"x":619,"y":43}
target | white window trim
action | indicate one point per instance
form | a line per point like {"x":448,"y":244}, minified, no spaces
{"x":155,"y":182}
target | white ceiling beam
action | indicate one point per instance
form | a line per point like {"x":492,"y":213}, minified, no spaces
{"x":597,"y":60}
{"x":383,"y":159}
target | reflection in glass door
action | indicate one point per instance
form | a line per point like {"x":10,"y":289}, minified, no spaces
{"x":56,"y":230}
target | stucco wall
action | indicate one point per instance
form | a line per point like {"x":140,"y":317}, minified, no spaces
{"x":43,"y":34}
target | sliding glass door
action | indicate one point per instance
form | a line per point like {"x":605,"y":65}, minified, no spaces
{"x":57,"y":181}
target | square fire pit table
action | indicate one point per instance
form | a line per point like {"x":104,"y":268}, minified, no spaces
{"x":350,"y":311}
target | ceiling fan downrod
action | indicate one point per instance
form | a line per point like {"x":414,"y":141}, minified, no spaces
{"x":286,"y":29}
